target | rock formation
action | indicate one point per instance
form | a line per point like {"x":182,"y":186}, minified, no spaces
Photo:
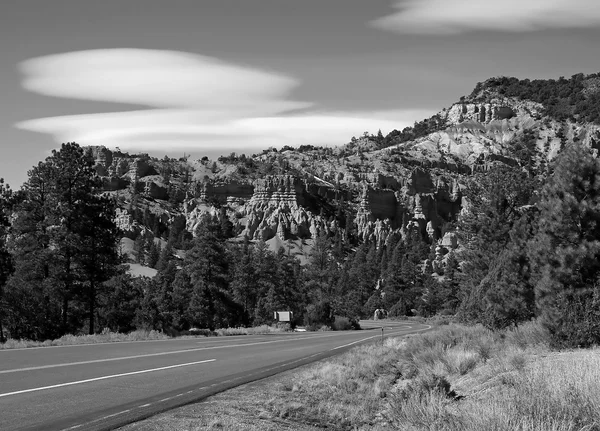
{"x":370,"y":192}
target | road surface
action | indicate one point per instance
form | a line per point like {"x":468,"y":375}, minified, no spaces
{"x":104,"y":386}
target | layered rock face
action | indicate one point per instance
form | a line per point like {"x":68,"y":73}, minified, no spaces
{"x":426,"y":202}
{"x":276,"y":206}
{"x":109,"y":164}
{"x":292,"y":207}
{"x":287,"y":206}
{"x":494,"y":108}
{"x":119,"y":171}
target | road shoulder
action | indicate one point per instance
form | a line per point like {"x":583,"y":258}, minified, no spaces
{"x":244,"y":408}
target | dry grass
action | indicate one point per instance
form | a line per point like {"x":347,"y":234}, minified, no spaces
{"x":453,"y":378}
{"x":104,"y":337}
{"x":257,"y":330}
{"x":138,"y":335}
{"x":557,"y":392}
{"x":473,"y":379}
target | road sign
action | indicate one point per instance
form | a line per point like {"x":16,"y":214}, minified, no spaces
{"x":283,"y":316}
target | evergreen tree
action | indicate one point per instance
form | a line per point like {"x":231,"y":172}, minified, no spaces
{"x":244,"y":281}
{"x":508,"y":291}
{"x":286,"y":293}
{"x":6,"y":264}
{"x":154,"y":254}
{"x":157,"y":309}
{"x":451,"y":286}
{"x":33,"y":292}
{"x":65,"y":245}
{"x":122,"y":301}
{"x":165,"y":256}
{"x":359,"y":283}
{"x":98,"y":256}
{"x":139,"y":250}
{"x":206,"y":264}
{"x":493,"y":203}
{"x":566,"y":250}
{"x":319,"y":276}
{"x":266,"y":281}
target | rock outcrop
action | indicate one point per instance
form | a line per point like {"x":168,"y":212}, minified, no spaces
{"x":370,"y":191}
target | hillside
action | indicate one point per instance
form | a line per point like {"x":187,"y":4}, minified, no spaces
{"x":372,"y":186}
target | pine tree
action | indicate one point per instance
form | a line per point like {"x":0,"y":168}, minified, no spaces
{"x":98,"y":256}
{"x":244,"y":281}
{"x":139,"y":249}
{"x":493,"y":203}
{"x":154,"y":254}
{"x":122,"y":301}
{"x":6,"y":264}
{"x":266,"y":281}
{"x":33,"y":291}
{"x":360,"y":284}
{"x":157,"y":309}
{"x":207,"y":265}
{"x":565,"y":251}
{"x":319,"y":277}
{"x":286,"y":293}
{"x":65,"y":244}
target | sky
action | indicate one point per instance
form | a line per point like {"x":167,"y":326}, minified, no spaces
{"x":209,"y":77}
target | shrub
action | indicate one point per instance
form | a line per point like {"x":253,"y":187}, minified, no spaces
{"x":344,"y":324}
{"x":318,"y":315}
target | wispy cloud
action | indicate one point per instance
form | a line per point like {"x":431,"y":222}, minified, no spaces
{"x":458,"y":16}
{"x":195,"y":103}
{"x":153,"y":130}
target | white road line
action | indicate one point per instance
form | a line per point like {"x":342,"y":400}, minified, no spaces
{"x":99,"y":419}
{"x":377,"y":336}
{"x":79,"y":382}
{"x":114,"y":414}
{"x":144,"y":406}
{"x":354,"y":342}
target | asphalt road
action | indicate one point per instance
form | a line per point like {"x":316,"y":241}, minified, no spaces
{"x":104,"y":386}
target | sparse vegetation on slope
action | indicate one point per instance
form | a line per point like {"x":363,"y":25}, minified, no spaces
{"x":576,"y":98}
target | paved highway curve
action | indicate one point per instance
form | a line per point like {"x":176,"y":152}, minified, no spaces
{"x":104,"y":386}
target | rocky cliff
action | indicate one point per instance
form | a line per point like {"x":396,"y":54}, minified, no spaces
{"x":368,"y":188}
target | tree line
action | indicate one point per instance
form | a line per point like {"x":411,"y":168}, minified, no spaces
{"x":574,"y":98}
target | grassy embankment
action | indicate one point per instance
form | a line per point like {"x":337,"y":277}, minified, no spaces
{"x":453,"y":378}
{"x":139,"y":335}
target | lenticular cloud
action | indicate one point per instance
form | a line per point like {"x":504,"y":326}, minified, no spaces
{"x":165,"y":79}
{"x":194,"y":103}
{"x":458,"y":16}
